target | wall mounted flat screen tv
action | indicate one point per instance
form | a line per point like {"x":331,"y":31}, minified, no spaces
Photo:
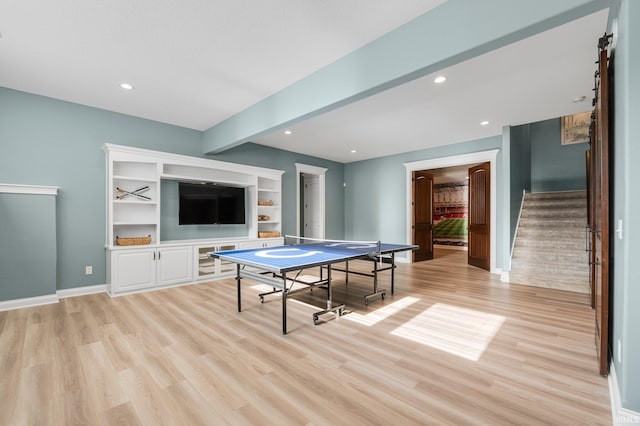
{"x":208,"y":204}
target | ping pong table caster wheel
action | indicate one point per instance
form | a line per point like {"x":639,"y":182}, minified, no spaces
{"x":366,"y":302}
{"x":261,"y":299}
{"x":315,"y":320}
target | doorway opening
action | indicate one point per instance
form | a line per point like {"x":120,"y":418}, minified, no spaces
{"x":483,"y":237}
{"x":451,"y":207}
{"x":310,"y":201}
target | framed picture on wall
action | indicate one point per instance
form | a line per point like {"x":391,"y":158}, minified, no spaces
{"x":575,"y":128}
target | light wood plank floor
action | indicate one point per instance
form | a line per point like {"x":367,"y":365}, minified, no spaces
{"x":454,"y":345}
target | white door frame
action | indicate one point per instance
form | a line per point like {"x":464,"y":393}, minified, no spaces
{"x":456,"y":160}
{"x":320,"y":172}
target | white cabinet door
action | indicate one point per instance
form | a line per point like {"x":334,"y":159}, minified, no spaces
{"x":251,"y":244}
{"x":133,"y":269}
{"x":268,"y":242}
{"x":175,"y":265}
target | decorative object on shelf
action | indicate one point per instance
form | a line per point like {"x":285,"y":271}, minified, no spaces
{"x":137,"y":193}
{"x":265,"y":202}
{"x":133,"y":241}
{"x":268,"y":234}
{"x":263,"y":217}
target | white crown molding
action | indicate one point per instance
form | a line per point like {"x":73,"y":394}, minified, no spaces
{"x":7,"y":188}
{"x":313,"y":170}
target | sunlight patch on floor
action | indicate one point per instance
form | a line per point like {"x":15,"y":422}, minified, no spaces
{"x":458,"y":331}
{"x":382,"y":313}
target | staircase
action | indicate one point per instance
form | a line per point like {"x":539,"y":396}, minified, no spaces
{"x":550,"y":242}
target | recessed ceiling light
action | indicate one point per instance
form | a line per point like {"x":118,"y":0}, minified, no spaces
{"x":353,"y":151}
{"x":287,"y":132}
{"x":440,"y":79}
{"x":126,"y":86}
{"x":484,"y":123}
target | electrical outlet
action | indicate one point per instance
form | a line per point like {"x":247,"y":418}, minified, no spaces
{"x":88,"y":270}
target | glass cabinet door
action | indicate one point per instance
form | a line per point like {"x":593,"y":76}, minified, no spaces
{"x":206,"y":263}
{"x":226,"y":266}
{"x":208,"y":266}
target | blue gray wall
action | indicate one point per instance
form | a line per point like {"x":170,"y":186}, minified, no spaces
{"x":28,"y":245}
{"x":55,"y":143}
{"x":259,"y":155}
{"x":539,"y":163}
{"x":51,"y":142}
{"x":555,"y":167}
{"x":626,"y":205}
{"x":520,"y":176}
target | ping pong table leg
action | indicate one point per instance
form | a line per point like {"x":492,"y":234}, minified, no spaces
{"x":284,"y":303}
{"x":329,"y":295}
{"x":393,"y":269}
{"x":337,"y":310}
{"x":238,"y":279}
{"x":375,"y":293}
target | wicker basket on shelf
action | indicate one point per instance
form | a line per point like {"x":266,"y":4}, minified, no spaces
{"x":268,"y":234}
{"x":133,"y":241}
{"x":265,"y":202}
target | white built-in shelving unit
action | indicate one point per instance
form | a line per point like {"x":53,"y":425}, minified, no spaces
{"x":132,"y":171}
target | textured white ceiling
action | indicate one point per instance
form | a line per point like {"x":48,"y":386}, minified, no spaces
{"x":530,"y":80}
{"x":195,"y":63}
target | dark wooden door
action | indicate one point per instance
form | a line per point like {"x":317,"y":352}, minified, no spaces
{"x":479,"y":216}
{"x":423,"y":215}
{"x":591,"y":196}
{"x":600,"y":214}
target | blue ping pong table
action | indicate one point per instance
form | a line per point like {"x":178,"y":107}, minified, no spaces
{"x":274,"y":266}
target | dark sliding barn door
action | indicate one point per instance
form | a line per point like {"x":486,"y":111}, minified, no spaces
{"x":423,"y":215}
{"x":599,"y":205}
{"x":479,"y":215}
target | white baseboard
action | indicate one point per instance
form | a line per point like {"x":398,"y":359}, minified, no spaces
{"x":81,"y":291}
{"x":28,"y":302}
{"x":620,"y":415}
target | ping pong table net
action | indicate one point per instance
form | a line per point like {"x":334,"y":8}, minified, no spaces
{"x":368,"y":248}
